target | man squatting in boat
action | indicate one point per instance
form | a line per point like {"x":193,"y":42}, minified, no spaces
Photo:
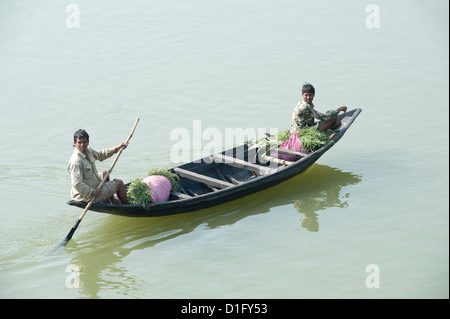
{"x":84,"y":175}
{"x":304,"y":113}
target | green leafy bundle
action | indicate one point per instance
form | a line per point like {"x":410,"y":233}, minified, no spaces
{"x":312,"y":139}
{"x":283,"y":136}
{"x":138,"y":192}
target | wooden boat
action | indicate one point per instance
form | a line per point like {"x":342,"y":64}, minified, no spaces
{"x":223,"y":177}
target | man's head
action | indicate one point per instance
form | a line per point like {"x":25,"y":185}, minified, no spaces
{"x":308,"y":92}
{"x":308,"y":88}
{"x":81,"y":140}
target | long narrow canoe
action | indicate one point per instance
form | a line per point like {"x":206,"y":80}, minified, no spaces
{"x":224,"y":177}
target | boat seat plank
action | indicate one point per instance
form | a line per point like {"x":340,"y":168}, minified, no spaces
{"x":211,"y":188}
{"x":202,"y":178}
{"x":233,"y":180}
{"x":289,"y":152}
{"x":192,"y":193}
{"x":258,"y":169}
{"x":180,"y":195}
{"x":279,"y":161}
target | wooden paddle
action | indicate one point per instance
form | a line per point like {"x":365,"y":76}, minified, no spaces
{"x":75,"y":226}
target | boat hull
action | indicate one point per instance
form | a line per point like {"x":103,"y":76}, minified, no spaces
{"x":246,"y":183}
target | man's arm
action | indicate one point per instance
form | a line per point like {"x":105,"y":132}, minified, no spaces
{"x":329,"y":115}
{"x":108,"y":152}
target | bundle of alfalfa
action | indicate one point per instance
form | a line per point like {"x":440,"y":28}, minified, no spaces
{"x":154,"y":188}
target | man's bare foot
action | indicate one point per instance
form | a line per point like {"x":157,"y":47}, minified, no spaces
{"x":114,"y":200}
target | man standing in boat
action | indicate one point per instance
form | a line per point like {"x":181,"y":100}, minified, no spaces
{"x":84,"y":175}
{"x":304,"y":113}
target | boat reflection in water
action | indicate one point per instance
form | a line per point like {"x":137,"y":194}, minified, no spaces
{"x":322,"y":190}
